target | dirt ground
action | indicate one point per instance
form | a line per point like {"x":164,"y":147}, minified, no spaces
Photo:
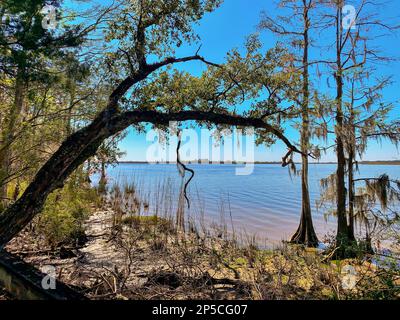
{"x":137,"y":263}
{"x":146,"y":258}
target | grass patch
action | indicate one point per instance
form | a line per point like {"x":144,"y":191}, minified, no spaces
{"x":146,"y":222}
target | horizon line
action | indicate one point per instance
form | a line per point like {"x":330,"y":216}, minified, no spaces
{"x":371,"y":162}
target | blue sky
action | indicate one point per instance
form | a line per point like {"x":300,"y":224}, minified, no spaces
{"x":227,"y":28}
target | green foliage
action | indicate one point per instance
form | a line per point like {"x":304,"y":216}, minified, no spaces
{"x":63,"y":217}
{"x":60,"y":93}
{"x":169,"y":23}
{"x":261,"y":79}
{"x":36,"y":45}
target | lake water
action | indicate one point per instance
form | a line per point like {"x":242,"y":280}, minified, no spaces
{"x":266,"y":203}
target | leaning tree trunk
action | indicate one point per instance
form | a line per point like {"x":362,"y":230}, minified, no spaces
{"x":73,"y":152}
{"x":83,"y":144}
{"x":305,"y":233}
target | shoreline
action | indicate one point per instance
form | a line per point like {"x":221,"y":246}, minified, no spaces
{"x":374,"y":163}
{"x":147,"y":258}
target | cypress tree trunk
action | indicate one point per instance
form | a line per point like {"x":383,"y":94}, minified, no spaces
{"x":342,"y":232}
{"x":351,"y":162}
{"x":351,"y":195}
{"x":351,"y":150}
{"x":305,"y":233}
{"x":342,"y":236}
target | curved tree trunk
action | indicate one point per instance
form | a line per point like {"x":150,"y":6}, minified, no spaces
{"x":73,"y":152}
{"x":84,"y":143}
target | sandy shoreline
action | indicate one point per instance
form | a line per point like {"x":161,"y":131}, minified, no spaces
{"x":143,"y":261}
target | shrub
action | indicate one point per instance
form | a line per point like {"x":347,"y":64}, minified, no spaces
{"x":64,"y":214}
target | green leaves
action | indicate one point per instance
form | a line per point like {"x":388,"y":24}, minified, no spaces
{"x":165,"y":25}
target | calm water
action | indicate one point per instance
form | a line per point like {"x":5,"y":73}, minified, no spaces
{"x":266,"y":203}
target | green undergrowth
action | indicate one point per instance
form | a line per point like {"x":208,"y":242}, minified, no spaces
{"x":65,"y":212}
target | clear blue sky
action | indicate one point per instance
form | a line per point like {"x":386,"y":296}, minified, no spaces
{"x":228,"y":27}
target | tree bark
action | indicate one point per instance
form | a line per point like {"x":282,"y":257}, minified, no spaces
{"x":342,"y":239}
{"x":305,"y":233}
{"x":351,"y":141}
{"x":180,"y":211}
{"x":351,"y":195}
{"x":342,"y":232}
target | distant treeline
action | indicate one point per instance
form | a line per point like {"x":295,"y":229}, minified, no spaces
{"x":377,"y":162}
